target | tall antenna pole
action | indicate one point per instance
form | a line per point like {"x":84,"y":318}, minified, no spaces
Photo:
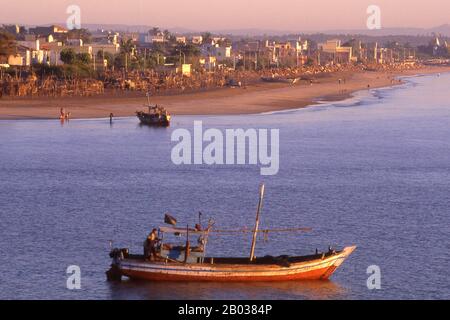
{"x":258,"y":212}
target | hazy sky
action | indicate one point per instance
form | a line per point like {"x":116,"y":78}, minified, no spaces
{"x":295,"y":15}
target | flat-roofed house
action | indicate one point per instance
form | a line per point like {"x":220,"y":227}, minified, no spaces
{"x":181,"y":40}
{"x":186,"y":69}
{"x":106,"y":48}
{"x":154,"y":38}
{"x":222,"y":52}
{"x":331,"y":50}
{"x":16,"y":60}
{"x":46,"y":31}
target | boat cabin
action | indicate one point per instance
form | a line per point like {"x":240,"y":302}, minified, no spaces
{"x":185,"y":252}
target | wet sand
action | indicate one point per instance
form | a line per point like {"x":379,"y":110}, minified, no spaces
{"x":258,"y":98}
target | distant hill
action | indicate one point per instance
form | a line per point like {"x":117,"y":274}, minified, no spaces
{"x":135,"y":28}
{"x":443,"y":30}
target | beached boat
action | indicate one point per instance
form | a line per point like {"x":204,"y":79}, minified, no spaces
{"x":187,"y":263}
{"x":274,"y":78}
{"x":155,"y":116}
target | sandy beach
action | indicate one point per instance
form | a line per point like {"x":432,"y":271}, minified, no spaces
{"x":258,"y":98}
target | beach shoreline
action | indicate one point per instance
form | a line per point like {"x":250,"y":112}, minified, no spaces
{"x":254,"y":99}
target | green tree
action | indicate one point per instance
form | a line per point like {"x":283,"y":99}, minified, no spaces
{"x":207,"y":37}
{"x":83,"y":58}
{"x":159,"y":48}
{"x":152,"y":60}
{"x":120,"y":61}
{"x":68,"y":56}
{"x":127,"y":46}
{"x":107,"y":56}
{"x":189,"y":50}
{"x":7,"y":44}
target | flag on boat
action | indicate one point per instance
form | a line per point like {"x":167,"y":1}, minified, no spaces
{"x":170,"y":220}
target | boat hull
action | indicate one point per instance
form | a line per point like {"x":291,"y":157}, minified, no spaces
{"x":319,"y":269}
{"x":151,"y":120}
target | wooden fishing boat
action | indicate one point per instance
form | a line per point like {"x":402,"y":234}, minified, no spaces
{"x":155,"y":116}
{"x":187,"y":263}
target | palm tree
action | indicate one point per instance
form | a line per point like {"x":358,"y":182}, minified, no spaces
{"x":169,"y":37}
{"x":155,"y":31}
{"x":127,"y":46}
{"x":207,"y":37}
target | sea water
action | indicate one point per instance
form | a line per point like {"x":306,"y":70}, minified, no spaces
{"x":371,"y":171}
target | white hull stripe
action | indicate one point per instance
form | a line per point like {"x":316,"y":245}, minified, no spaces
{"x":177,"y":270}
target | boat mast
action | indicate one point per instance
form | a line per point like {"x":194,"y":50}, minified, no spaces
{"x":255,"y":232}
{"x":148,"y":98}
{"x":188,"y":246}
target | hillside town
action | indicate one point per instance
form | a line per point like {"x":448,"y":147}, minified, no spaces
{"x":52,"y":61}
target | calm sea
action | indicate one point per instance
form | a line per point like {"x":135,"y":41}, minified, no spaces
{"x":372,"y":171}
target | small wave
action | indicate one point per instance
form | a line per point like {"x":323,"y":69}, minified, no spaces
{"x":357,"y":99}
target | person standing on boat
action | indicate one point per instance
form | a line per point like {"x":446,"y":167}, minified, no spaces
{"x":150,"y":245}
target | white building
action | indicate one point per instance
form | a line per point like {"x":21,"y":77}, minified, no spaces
{"x":333,"y":48}
{"x":181,"y":40}
{"x":106,"y":48}
{"x":222,"y":53}
{"x":17,"y":60}
{"x":31,"y":53}
{"x":154,"y":39}
{"x":197,"y":40}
